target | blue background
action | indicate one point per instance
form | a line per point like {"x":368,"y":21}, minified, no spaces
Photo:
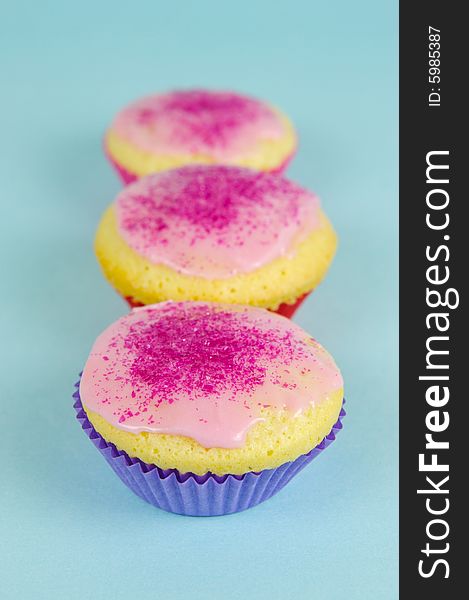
{"x":68,"y":527}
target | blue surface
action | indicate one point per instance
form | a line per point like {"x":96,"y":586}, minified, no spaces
{"x":68,"y":527}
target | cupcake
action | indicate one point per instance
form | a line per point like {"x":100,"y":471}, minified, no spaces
{"x":218,"y":234}
{"x":170,"y":130}
{"x":208,"y":409}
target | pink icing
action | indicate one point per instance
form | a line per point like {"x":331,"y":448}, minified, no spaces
{"x":215,"y":221}
{"x":223,"y":125}
{"x":203,"y":371}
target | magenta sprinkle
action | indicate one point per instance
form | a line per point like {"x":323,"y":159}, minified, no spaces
{"x":201,"y":117}
{"x":210,"y":199}
{"x":202,"y":350}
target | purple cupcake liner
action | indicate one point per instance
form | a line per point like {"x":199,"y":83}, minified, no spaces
{"x":198,"y":495}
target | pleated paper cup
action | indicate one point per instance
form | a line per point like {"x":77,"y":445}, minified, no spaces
{"x":198,"y":495}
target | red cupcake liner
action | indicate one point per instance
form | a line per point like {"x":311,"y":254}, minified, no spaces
{"x":125,"y":176}
{"x":280,"y":170}
{"x":286,"y":310}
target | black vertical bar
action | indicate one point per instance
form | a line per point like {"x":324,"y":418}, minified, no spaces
{"x":434,"y":267}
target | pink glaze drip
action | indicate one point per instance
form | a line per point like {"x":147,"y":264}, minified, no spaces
{"x":203,"y":371}
{"x":215,"y":221}
{"x":223,"y":125}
